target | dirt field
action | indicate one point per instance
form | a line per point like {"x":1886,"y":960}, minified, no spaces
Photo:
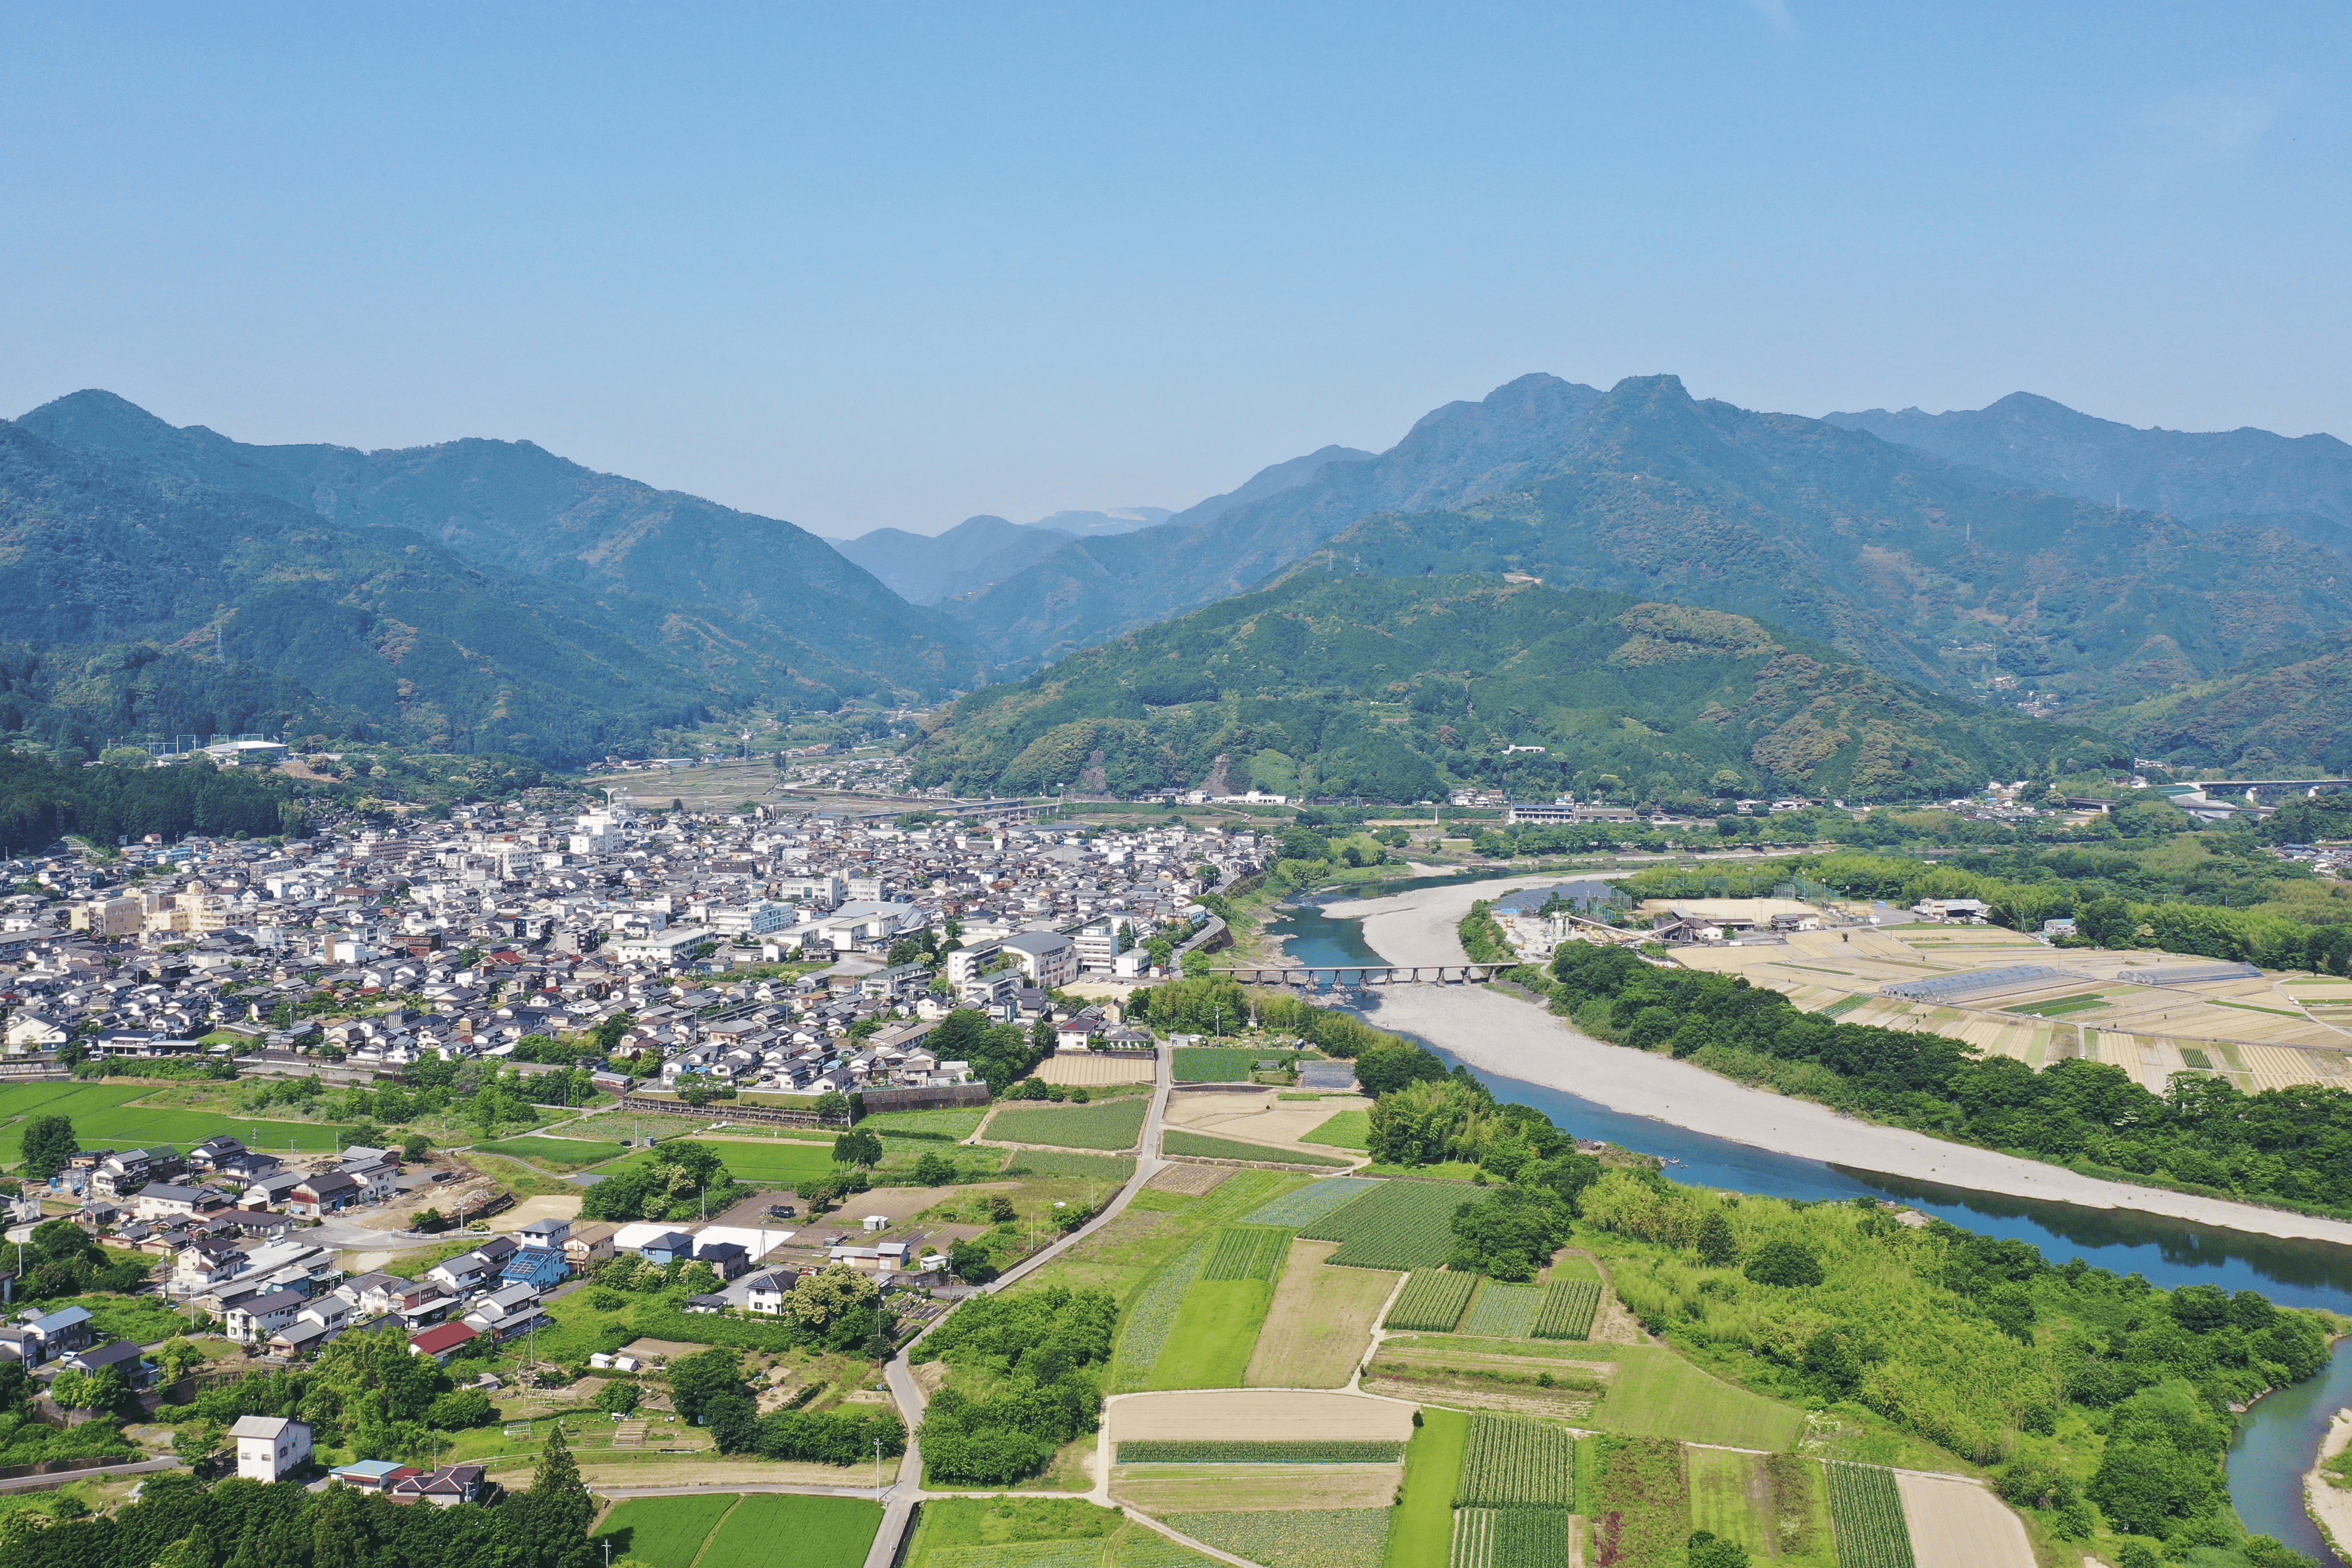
{"x":1190,"y":1180}
{"x":1955,"y":1524}
{"x":1212,"y":1489}
{"x":1258,"y":1118}
{"x":530,"y":1209}
{"x":1094,"y":1070}
{"x":1319,"y":1325}
{"x":1251,"y":1415}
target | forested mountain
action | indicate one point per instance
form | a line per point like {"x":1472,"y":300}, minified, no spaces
{"x":1923,"y":569}
{"x":1393,"y":688}
{"x":2300,"y":484}
{"x":747,"y":600}
{"x":1093,"y":588}
{"x":2283,"y":714}
{"x":923,"y":569}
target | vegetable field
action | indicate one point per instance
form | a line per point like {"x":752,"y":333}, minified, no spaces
{"x":1295,"y":1451}
{"x":1247,"y":1252}
{"x":1517,"y":1464}
{"x":1567,"y":1310}
{"x":1111,"y":1125}
{"x":1311,"y":1202}
{"x":1345,"y":1129}
{"x":1400,"y":1224}
{"x":1510,"y":1538}
{"x":1640,"y":1503}
{"x":1049,"y":1162}
{"x":1295,"y":1538}
{"x":665,"y":1532}
{"x":1431,"y":1301}
{"x":1866,"y":1514}
{"x":1505,"y":1312}
{"x":1214,"y":1064}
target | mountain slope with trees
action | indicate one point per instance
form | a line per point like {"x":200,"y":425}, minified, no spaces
{"x":737,"y":597}
{"x":2289,"y":712}
{"x":1396,"y":689}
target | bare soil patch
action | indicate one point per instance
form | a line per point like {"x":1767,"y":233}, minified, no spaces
{"x":1957,"y":1524}
{"x":1207,"y":1489}
{"x":1319,"y":1324}
{"x":1469,"y":1393}
{"x":1097,"y":1069}
{"x":1256,"y":1415}
{"x":1190,"y":1180}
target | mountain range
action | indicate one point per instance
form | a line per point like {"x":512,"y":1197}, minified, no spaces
{"x":483,"y":594}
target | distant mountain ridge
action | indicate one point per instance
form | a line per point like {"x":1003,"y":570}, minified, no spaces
{"x":727,"y":592}
{"x":923,"y":569}
{"x":1093,"y":588}
{"x":2301,"y":484}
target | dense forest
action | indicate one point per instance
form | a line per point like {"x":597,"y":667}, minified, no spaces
{"x":41,"y":801}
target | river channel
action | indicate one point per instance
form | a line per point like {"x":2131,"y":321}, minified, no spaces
{"x":2275,"y":1440}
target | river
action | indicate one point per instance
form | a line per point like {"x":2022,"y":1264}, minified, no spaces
{"x":2275,"y":1440}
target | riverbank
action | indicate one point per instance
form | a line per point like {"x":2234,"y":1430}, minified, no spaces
{"x":2330,"y":1505}
{"x":1517,"y":1039}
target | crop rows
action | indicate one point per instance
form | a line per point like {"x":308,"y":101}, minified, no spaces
{"x":1400,"y":1224}
{"x":1145,"y":1326}
{"x":1300,"y":1538}
{"x":1567,"y":1309}
{"x":1237,"y":1451}
{"x":1517,"y":1464}
{"x":1312,"y":1202}
{"x":1503,"y":1311}
{"x":1866,"y":1514}
{"x":1247,"y":1252}
{"x":1510,"y":1537}
{"x":1432,"y":1302}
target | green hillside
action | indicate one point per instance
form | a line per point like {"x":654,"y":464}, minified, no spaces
{"x":2291,"y":709}
{"x":1395,"y":689}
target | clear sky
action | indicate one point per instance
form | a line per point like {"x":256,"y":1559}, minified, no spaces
{"x":865,"y":264}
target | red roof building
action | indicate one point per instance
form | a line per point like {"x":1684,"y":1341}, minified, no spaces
{"x":442,"y":1342}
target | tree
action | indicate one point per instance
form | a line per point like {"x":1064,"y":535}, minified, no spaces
{"x":832,"y":1106}
{"x":460,"y":1409}
{"x":1508,"y":1234}
{"x":696,"y":1380}
{"x":1708,"y":1551}
{"x":860,"y":1149}
{"x":414,"y":1147}
{"x":823,"y":1300}
{"x":618,"y":1397}
{"x":1785,"y":1263}
{"x":934,"y":1170}
{"x":1717,"y":1246}
{"x":49,"y":1145}
{"x":1386,"y":1067}
{"x":554,"y":1514}
{"x":970,"y":1262}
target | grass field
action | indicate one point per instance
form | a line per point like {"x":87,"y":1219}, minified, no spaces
{"x":1112,"y":1126}
{"x":1320,"y":1323}
{"x":1032,"y":1532}
{"x":1724,"y":1486}
{"x":1176,"y":1141}
{"x":561,"y":1154}
{"x":1214,"y":1064}
{"x":665,"y":1532}
{"x":1051,"y":1163}
{"x":823,"y":1532}
{"x":1348,"y":1130}
{"x":957,"y":1124}
{"x":763,"y":1165}
{"x":1421,"y":1527}
{"x":103,"y":1119}
{"x":1311,"y":1202}
{"x":1658,"y":1393}
{"x":1215,"y":1332}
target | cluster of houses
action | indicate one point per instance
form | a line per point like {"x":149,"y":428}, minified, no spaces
{"x":279,"y":1447}
{"x":469,"y":935}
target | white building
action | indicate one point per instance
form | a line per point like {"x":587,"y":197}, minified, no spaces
{"x":270,"y":1447}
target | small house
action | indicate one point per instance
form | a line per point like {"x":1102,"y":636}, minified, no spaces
{"x":442,"y":1342}
{"x":270,"y":1447}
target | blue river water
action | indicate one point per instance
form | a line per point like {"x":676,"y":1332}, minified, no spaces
{"x":2275,"y":1439}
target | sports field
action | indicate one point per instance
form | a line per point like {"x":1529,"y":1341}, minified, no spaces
{"x":103,"y":1119}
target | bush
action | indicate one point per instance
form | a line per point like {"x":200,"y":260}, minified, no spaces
{"x":1785,"y":1263}
{"x":460,"y":1409}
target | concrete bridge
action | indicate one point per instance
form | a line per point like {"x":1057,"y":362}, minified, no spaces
{"x":1357,"y":976}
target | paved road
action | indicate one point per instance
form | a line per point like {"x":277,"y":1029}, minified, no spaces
{"x":40,"y":1483}
{"x":908,"y":1489}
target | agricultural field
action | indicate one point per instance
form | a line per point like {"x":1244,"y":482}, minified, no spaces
{"x":556,"y":1153}
{"x":1311,"y":1202}
{"x":1348,"y":1130}
{"x":1433,"y":1301}
{"x":1657,"y":1394}
{"x":1954,"y":1524}
{"x":1219,"y":1488}
{"x":665,"y":1532}
{"x":1247,"y":1252}
{"x":1212,"y":1064}
{"x":1640,"y":1503}
{"x":1050,"y":1162}
{"x":1421,"y":1529}
{"x":1097,"y":1069}
{"x":956,"y":1125}
{"x":1725,"y":1486}
{"x":1215,"y":1330}
{"x":1299,"y":1538}
{"x":1260,"y":1414}
{"x":1259,"y":1451}
{"x":103,"y":1117}
{"x":1112,"y":1126}
{"x":1512,"y":1537}
{"x":1176,"y":1141}
{"x":1505,"y":1312}
{"x":1320,"y":1323}
{"x":768,"y":1164}
{"x":1567,"y":1309}
{"x":825,"y":1532}
{"x":1400,"y":1224}
{"x":1517,"y":1464}
{"x":1035,"y":1532}
{"x":1866,"y":1512}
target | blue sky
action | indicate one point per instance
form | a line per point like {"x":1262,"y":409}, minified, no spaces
{"x":879,"y":265}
